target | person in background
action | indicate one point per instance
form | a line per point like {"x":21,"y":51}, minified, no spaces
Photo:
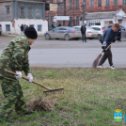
{"x":83,"y":33}
{"x":119,"y":34}
{"x":15,"y":58}
{"x":52,"y":26}
{"x":108,"y":37}
{"x":59,"y":25}
{"x":110,"y":24}
{"x":22,"y":28}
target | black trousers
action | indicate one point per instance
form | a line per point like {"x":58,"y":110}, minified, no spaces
{"x":84,"y":37}
{"x":107,"y":55}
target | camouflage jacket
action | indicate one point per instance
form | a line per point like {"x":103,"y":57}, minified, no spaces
{"x":15,"y":56}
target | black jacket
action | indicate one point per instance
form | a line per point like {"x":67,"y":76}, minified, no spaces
{"x":83,"y":29}
{"x":109,"y":36}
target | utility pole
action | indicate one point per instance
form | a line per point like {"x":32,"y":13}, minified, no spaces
{"x":64,"y":10}
{"x":83,"y":12}
{"x":47,"y":9}
{"x":14,"y":9}
{"x":64,"y":7}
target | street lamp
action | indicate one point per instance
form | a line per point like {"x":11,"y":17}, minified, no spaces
{"x":83,"y":12}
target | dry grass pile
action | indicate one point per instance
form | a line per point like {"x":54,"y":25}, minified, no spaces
{"x":39,"y":104}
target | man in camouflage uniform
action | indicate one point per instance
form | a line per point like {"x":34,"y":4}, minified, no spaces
{"x":15,"y":58}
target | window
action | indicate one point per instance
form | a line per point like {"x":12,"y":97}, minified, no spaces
{"x":124,"y":1}
{"x":7,"y":27}
{"x":77,"y":4}
{"x":77,"y":20}
{"x":30,"y":12}
{"x":39,"y":27}
{"x":99,"y":3}
{"x":91,"y":3}
{"x":115,"y":2}
{"x":55,"y":29}
{"x":7,"y":9}
{"x":97,"y":23}
{"x":107,"y":3}
{"x":47,"y":6}
{"x":70,"y":4}
{"x":84,"y":3}
{"x":95,"y":28}
{"x":22,"y":12}
{"x":62,"y":29}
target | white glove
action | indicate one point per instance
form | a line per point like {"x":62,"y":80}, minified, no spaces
{"x":30,"y":77}
{"x":18,"y":75}
{"x":104,"y":44}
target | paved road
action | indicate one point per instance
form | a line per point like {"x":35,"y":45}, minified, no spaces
{"x":74,"y":53}
{"x":75,"y":57}
{"x":41,"y":43}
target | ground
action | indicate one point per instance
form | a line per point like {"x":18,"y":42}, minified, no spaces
{"x":90,"y":97}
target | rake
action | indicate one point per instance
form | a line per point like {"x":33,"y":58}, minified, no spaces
{"x":98,"y":58}
{"x":47,"y":89}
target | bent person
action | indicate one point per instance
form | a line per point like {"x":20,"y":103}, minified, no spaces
{"x":108,"y":37}
{"x":15,"y":58}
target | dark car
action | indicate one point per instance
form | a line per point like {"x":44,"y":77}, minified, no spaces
{"x":120,"y":32}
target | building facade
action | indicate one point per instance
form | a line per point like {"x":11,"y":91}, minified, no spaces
{"x":103,"y":11}
{"x":76,"y":8}
{"x":14,"y":13}
{"x":105,"y":5}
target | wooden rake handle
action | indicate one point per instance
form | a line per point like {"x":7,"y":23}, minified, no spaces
{"x":34,"y":82}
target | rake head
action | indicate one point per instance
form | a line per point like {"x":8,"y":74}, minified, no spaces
{"x":54,"y":91}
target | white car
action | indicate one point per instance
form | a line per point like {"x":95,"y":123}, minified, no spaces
{"x":99,"y":29}
{"x":90,"y":32}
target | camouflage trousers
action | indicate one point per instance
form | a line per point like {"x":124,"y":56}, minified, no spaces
{"x":13,"y":94}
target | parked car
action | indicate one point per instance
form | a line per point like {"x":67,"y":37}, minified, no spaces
{"x":99,"y":29}
{"x":90,"y":32}
{"x":123,"y":29}
{"x":62,"y":32}
{"x":0,"y":29}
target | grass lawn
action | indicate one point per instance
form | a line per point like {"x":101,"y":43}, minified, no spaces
{"x":89,"y":99}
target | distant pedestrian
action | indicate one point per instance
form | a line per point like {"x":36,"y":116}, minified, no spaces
{"x":22,"y":28}
{"x":119,"y":34}
{"x":110,"y":24}
{"x":108,"y":37}
{"x":52,"y":26}
{"x":59,"y":25}
{"x":83,"y":32}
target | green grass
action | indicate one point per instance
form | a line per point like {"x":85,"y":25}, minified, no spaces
{"x":89,"y":99}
